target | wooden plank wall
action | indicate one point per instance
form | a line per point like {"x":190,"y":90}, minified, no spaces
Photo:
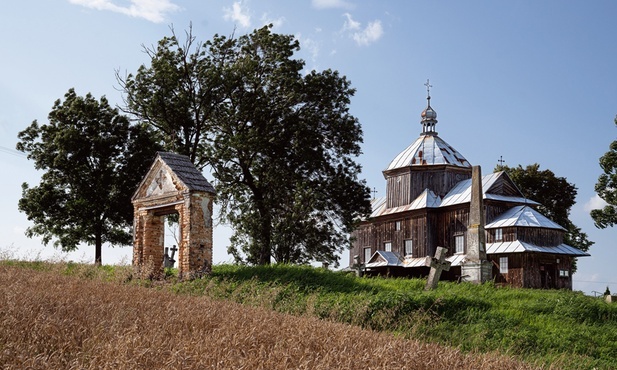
{"x":404,"y":186}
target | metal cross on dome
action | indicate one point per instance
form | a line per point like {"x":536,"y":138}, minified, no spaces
{"x":428,"y":88}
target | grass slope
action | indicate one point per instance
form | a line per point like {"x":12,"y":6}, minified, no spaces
{"x":557,"y":329}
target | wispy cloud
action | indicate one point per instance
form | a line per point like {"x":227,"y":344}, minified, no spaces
{"x":152,"y":10}
{"x":362,"y":36}
{"x":275,"y":22}
{"x":326,"y":4}
{"x":238,"y":14}
{"x":594,"y":202}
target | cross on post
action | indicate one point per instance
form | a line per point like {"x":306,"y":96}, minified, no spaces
{"x":437,"y":265}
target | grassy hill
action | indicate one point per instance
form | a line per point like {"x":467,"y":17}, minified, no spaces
{"x":557,"y":329}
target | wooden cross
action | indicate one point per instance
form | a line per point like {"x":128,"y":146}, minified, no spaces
{"x":437,"y":265}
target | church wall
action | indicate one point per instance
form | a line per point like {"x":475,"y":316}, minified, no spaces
{"x":540,"y":237}
{"x":534,"y":270}
{"x":449,"y":224}
{"x":377,"y":233}
{"x":404,"y":186}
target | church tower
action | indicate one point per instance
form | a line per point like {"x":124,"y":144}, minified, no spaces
{"x":428,"y":163}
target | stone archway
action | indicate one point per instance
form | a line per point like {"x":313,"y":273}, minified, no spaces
{"x":173,"y":185}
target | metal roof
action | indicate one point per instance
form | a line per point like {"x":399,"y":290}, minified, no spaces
{"x":394,"y":259}
{"x":427,"y":199}
{"x":520,"y":247}
{"x":461,"y":192}
{"x":523,"y":216}
{"x":428,"y":149}
{"x":186,"y":171}
{"x":384,"y":258}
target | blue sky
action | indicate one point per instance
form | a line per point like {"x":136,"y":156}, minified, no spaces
{"x":534,"y":82}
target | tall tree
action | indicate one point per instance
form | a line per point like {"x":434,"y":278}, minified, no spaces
{"x":176,"y":94}
{"x":281,"y":144}
{"x":93,"y":159}
{"x":606,"y":187}
{"x":555,"y":195}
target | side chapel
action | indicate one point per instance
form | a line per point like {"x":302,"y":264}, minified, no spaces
{"x":491,"y":231}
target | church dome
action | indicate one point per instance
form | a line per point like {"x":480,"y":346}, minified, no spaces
{"x":429,"y":113}
{"x":428,"y":149}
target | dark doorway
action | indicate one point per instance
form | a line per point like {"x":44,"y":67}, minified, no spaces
{"x":547,"y":276}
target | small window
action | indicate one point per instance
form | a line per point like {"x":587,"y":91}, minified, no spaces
{"x":367,"y":254}
{"x":564,"y":273}
{"x":459,"y":243}
{"x":408,"y":247}
{"x":397,"y":225}
{"x":387,"y":246}
{"x":498,"y":235}
{"x":503,"y":265}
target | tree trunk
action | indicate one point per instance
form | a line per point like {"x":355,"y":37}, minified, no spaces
{"x":98,"y":249}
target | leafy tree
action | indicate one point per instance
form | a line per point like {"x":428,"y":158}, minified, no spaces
{"x":555,"y":195}
{"x":176,"y":94}
{"x":281,"y":143}
{"x":93,"y":159}
{"x":606,"y":187}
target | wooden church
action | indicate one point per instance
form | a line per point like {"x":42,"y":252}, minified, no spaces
{"x":491,"y":231}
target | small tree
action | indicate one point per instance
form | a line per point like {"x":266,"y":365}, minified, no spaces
{"x":606,"y":187}
{"x":93,"y":159}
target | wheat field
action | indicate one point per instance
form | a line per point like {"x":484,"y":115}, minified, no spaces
{"x":51,"y":321}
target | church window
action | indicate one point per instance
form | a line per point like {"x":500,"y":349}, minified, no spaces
{"x":367,"y":254}
{"x":498,"y":235}
{"x":397,"y":225}
{"x":564,"y":273}
{"x":503,"y":265}
{"x":408,"y":247}
{"x":387,"y":246}
{"x":459,"y":243}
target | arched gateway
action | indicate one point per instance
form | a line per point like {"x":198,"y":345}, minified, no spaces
{"x":173,"y":186}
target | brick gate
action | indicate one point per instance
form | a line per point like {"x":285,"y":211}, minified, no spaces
{"x":173,"y":185}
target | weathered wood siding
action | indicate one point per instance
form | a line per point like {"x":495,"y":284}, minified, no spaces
{"x":540,"y":237}
{"x":403,"y":186}
{"x":376,"y":234}
{"x":534,"y":270}
{"x":449,"y":224}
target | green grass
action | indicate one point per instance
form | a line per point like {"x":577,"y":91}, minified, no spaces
{"x":561,"y":328}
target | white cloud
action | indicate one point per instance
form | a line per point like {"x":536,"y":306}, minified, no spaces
{"x":151,"y":10}
{"x":238,"y":14}
{"x":325,"y":4}
{"x":363,"y":37}
{"x":594,"y":202}
{"x":350,"y":24}
{"x":310,"y":46}
{"x":276,"y":23}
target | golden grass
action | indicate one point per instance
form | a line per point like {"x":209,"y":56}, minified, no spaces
{"x":51,"y":321}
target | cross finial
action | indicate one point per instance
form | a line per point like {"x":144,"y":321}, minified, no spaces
{"x":501,"y":161}
{"x":428,"y":88}
{"x":374,"y":191}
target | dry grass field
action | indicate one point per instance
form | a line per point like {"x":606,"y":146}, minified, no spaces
{"x":51,"y":321}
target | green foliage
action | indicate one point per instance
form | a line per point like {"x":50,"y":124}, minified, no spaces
{"x":92,"y":158}
{"x":280,"y":142}
{"x":606,"y":187}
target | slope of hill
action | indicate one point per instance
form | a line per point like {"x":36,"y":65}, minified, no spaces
{"x":52,"y":321}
